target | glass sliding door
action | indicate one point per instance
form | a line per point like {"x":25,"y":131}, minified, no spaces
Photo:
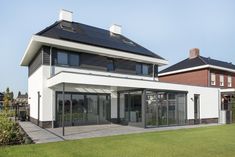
{"x":79,"y":110}
{"x":67,"y":109}
{"x":92,"y":110}
{"x":172,"y":109}
{"x":151,"y":109}
{"x":165,"y":109}
{"x":83,"y":109}
{"x":104,"y":108}
{"x":162,"y":109}
{"x":133,"y":110}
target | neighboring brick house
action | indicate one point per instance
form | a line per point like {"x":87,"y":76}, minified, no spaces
{"x":203,"y":71}
{"x":200,"y":71}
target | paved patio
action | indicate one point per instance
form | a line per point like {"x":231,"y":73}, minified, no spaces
{"x":39,"y":135}
{"x":80,"y":132}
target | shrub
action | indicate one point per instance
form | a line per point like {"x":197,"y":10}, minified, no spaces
{"x":10,"y":131}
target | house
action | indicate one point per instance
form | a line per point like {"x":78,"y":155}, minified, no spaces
{"x":83,"y":75}
{"x":21,"y":99}
{"x":204,"y":71}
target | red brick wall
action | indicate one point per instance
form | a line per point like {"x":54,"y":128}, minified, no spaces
{"x":197,"y":77}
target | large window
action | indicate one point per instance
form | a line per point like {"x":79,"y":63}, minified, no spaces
{"x":62,"y":58}
{"x":65,"y":58}
{"x":221,"y":78}
{"x":142,"y":69}
{"x":213,"y":79}
{"x":229,"y":81}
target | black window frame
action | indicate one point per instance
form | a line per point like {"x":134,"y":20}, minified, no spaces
{"x":57,"y":58}
{"x":111,"y":62}
{"x":140,"y":72}
{"x":69,"y":55}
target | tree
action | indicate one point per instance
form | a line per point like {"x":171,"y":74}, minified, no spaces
{"x":8,"y":97}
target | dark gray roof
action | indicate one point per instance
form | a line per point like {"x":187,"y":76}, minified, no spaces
{"x":198,"y":61}
{"x":82,"y":33}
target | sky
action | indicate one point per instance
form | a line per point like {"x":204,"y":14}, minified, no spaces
{"x":169,"y":28}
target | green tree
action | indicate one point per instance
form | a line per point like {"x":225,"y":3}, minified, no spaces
{"x":7,"y":99}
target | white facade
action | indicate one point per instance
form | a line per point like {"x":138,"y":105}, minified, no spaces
{"x":104,"y":82}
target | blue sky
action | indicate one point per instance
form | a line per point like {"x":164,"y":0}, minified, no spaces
{"x":167,"y":27}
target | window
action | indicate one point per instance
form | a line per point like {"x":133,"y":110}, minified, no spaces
{"x":145,"y":69}
{"x":62,"y":58}
{"x":74,"y":60}
{"x":213,"y":80}
{"x":221,"y":78}
{"x":229,"y":81}
{"x":142,"y":69}
{"x":110,"y":65}
{"x":138,"y":69}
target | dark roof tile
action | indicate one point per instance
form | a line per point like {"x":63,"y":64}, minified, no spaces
{"x":198,"y":61}
{"x":82,"y":33}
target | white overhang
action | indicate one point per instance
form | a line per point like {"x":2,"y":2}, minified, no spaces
{"x":98,"y":80}
{"x":37,"y":41}
{"x":197,"y":68}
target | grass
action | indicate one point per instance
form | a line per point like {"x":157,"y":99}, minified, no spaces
{"x":215,"y":141}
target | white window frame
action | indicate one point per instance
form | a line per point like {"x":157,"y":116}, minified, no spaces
{"x":229,"y":81}
{"x":213,"y":79}
{"x":221,"y":80}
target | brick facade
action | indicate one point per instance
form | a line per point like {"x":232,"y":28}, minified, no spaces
{"x":196,"y":77}
{"x":200,"y":77}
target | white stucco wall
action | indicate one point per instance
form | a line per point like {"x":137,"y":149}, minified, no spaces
{"x":35,"y":83}
{"x":77,"y":82}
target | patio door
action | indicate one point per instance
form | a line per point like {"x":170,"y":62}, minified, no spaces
{"x":83,"y":109}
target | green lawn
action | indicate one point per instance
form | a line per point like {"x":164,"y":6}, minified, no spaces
{"x":215,"y":141}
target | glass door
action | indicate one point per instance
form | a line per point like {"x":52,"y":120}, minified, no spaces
{"x":162,"y":110}
{"x":67,"y":110}
{"x":196,"y":109}
{"x":104,"y":109}
{"x":79,"y":110}
{"x":92,"y":109}
{"x":151,"y":110}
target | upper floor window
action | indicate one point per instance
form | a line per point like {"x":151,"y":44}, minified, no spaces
{"x":73,"y":59}
{"x":110,"y":65}
{"x":142,"y":69}
{"x":145,"y":69}
{"x":221,"y":78}
{"x":62,"y":58}
{"x":213,"y":79}
{"x":229,"y":81}
{"x":138,"y":69}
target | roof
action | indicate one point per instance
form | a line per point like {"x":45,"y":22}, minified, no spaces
{"x":199,"y":61}
{"x":81,"y":33}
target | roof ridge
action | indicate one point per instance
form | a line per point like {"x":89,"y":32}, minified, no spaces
{"x":200,"y":57}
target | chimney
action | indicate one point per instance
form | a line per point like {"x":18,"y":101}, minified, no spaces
{"x":66,"y":15}
{"x":194,"y":53}
{"x":116,"y":29}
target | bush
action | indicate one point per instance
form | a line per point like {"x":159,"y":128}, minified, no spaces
{"x":10,"y":131}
